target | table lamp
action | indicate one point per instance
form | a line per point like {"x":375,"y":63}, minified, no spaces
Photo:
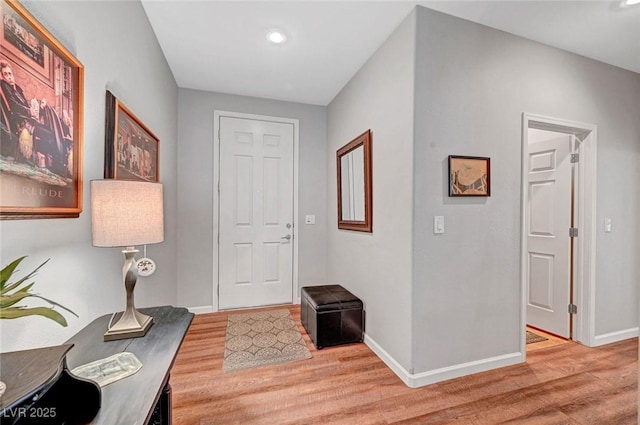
{"x":127,"y":213}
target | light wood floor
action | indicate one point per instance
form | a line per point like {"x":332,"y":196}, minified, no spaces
{"x":550,"y":342}
{"x":564,"y":384}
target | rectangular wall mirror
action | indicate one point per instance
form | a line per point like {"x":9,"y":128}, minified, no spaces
{"x":354,"y":184}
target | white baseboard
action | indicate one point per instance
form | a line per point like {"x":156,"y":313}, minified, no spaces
{"x":615,"y":336}
{"x":396,"y":367}
{"x":202,"y":309}
{"x":464,"y":369}
{"x":415,"y":380}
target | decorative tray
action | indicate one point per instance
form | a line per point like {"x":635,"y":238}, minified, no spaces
{"x":110,"y":369}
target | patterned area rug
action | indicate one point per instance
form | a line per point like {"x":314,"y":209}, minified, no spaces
{"x":262,"y":338}
{"x":533,"y":337}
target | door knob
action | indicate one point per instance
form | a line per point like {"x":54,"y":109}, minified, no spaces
{"x":287,"y":237}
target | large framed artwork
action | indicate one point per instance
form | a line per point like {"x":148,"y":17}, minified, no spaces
{"x":41,"y":99}
{"x":131,"y":149}
{"x":469,"y":176}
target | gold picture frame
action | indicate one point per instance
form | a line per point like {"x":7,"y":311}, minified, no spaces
{"x":131,"y":149}
{"x":41,"y":99}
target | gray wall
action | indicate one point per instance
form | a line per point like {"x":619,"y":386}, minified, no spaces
{"x":473,"y":84}
{"x":196,"y":227}
{"x":119,"y":51}
{"x":377,"y":266}
{"x":431,"y":301}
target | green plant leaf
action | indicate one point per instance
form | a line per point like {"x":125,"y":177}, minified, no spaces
{"x":8,"y":309}
{"x":9,"y":300}
{"x":17,"y":312}
{"x":6,"y":272}
{"x":25,"y":289}
{"x":19,"y":282}
{"x":54,"y":303}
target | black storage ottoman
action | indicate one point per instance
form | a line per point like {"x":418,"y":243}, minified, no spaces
{"x":331,"y":315}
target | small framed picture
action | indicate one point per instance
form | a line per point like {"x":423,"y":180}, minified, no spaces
{"x":131,"y":149}
{"x":469,"y":176}
{"x":41,"y":100}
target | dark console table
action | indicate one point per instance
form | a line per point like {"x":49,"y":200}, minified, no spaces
{"x":42,"y":391}
{"x":145,"y":397}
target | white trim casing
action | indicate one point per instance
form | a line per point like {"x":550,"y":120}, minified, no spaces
{"x":584,"y":257}
{"x":216,"y":201}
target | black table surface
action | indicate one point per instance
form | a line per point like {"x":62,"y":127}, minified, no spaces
{"x":131,"y":400}
{"x":27,"y":372}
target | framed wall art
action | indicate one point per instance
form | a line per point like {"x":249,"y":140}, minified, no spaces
{"x":469,"y":176}
{"x":131,"y":149}
{"x":41,"y":99}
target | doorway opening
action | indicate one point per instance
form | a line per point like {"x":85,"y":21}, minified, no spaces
{"x":255,"y":205}
{"x":558,"y":227}
{"x":541,"y":339}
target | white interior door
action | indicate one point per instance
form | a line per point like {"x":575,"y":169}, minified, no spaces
{"x":548,"y":242}
{"x":255,"y":250}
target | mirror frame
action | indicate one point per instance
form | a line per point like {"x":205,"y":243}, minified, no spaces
{"x":367,"y":224}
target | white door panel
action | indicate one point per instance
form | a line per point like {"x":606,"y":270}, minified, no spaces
{"x":548,"y":242}
{"x":256,"y":213}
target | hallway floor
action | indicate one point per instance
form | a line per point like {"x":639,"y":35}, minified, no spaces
{"x":551,"y":341}
{"x":564,"y":384}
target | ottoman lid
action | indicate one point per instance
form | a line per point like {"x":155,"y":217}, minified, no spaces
{"x":331,"y":297}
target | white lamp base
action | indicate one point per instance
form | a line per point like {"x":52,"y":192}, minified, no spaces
{"x":127,"y":327}
{"x":131,"y":323}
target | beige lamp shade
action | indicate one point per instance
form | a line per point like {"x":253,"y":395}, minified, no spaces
{"x":126,"y":213}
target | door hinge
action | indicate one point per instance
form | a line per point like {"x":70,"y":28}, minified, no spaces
{"x":573,"y":232}
{"x":575,"y":157}
{"x":573,"y":309}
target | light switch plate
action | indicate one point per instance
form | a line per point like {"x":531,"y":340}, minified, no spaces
{"x":310,"y":219}
{"x":607,"y":225}
{"x":438,"y":224}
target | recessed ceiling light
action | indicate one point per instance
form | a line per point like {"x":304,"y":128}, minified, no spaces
{"x":276,"y":36}
{"x":626,"y":3}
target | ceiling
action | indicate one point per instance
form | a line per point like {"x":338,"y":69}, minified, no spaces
{"x":221,"y":46}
